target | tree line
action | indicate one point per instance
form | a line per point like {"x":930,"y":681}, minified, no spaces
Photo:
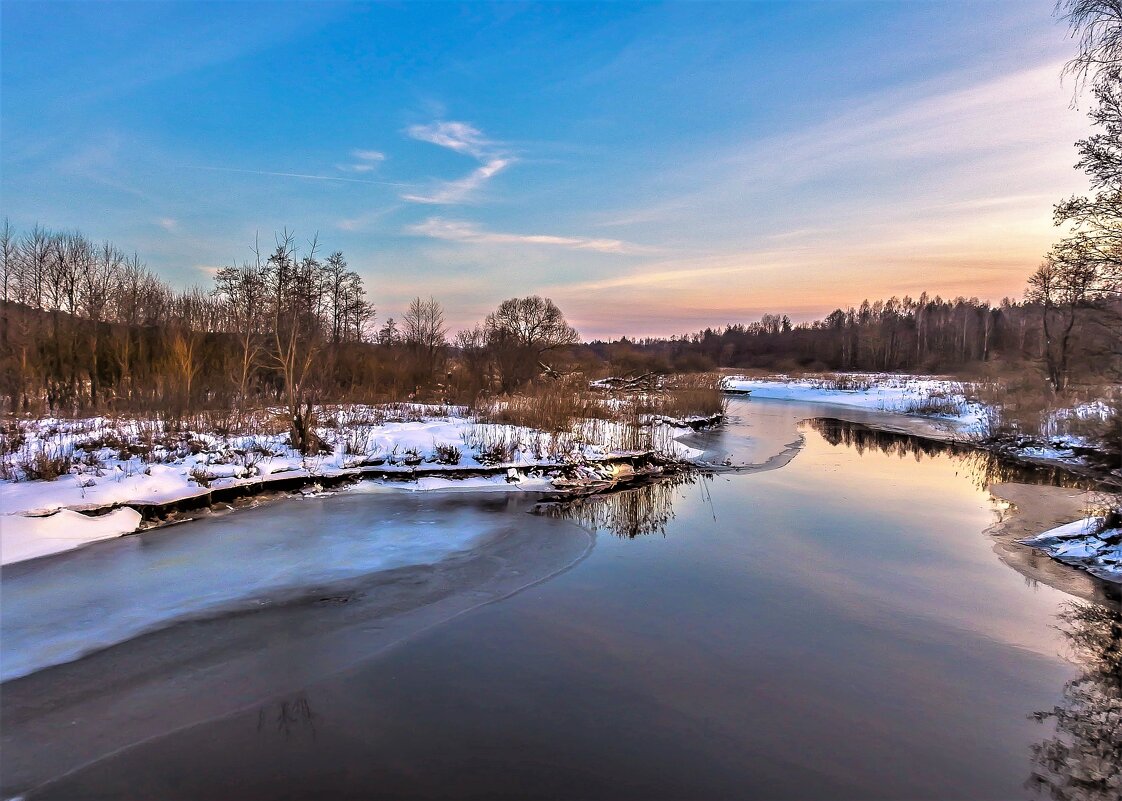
{"x":925,"y":334}
{"x":87,"y":327}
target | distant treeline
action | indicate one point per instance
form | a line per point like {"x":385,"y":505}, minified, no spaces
{"x":916,"y":335}
{"x":86,"y":327}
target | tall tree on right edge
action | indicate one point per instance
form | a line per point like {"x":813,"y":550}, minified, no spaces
{"x":1081,"y":277}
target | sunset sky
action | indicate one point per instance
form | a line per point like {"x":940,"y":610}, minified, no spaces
{"x":652,"y":168}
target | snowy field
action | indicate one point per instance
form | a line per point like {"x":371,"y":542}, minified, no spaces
{"x":107,"y":463}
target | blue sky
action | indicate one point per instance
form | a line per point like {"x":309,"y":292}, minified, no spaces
{"x":652,"y":167}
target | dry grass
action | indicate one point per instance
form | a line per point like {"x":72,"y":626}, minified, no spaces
{"x":1025,"y":406}
{"x":46,"y":464}
{"x":695,"y":395}
{"x":936,"y":405}
{"x":571,"y":417}
{"x":552,"y":407}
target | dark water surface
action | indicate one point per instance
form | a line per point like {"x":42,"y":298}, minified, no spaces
{"x":839,"y":627}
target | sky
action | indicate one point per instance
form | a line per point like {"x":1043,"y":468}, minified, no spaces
{"x":652,"y":168}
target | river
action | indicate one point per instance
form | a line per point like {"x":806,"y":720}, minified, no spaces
{"x":838,"y":621}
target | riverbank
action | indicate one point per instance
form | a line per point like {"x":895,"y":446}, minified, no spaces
{"x":1032,"y":511}
{"x":73,"y":482}
{"x":937,"y":409}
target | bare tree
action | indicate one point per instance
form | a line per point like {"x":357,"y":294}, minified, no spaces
{"x":35,"y":250}
{"x":1084,"y":269}
{"x":1063,"y":286}
{"x":474,"y":357}
{"x":521,"y":331}
{"x":1097,"y":25}
{"x":295,"y":286}
{"x":423,"y":332}
{"x":8,"y":248}
{"x":241,"y":291}
{"x":388,"y":335}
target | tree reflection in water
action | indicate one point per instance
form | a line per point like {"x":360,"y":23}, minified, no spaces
{"x":290,"y":717}
{"x":631,"y":513}
{"x":981,"y":466}
{"x":1083,"y":761}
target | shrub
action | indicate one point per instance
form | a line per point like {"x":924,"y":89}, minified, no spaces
{"x":935,"y":405}
{"x":47,"y":463}
{"x":200,"y":476}
{"x":356,"y":442}
{"x":848,"y":383}
{"x":445,"y":453}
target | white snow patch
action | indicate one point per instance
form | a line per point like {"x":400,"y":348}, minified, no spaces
{"x":23,"y":537}
{"x":1082,"y":543}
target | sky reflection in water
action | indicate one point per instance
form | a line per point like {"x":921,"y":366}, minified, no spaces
{"x":837,"y":628}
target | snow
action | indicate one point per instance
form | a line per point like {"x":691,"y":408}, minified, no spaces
{"x":1084,"y":543}
{"x":501,"y":483}
{"x":138,"y":461}
{"x":1046,"y":452}
{"x":23,"y":537}
{"x":927,"y":396}
{"x":1057,"y":424}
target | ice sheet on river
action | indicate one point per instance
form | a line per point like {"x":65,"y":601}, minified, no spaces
{"x":56,"y":610}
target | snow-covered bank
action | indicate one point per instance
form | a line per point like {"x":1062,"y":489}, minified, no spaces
{"x":925,"y":396}
{"x":107,"y":463}
{"x":954,"y":409}
{"x":1087,"y":544}
{"x":24,"y":537}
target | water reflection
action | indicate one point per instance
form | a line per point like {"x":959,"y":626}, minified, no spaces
{"x":292,"y":717}
{"x":1083,"y":761}
{"x":629,"y":514}
{"x":980,"y":466}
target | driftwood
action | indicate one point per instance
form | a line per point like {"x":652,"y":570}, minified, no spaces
{"x":642,"y":383}
{"x":549,"y":371}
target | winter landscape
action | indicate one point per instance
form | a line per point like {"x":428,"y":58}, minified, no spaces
{"x":481,"y":400}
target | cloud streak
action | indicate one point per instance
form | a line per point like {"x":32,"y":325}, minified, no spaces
{"x":304,"y":176}
{"x":365,"y":161}
{"x":457,"y":231}
{"x":459,"y":137}
{"x":458,"y":191}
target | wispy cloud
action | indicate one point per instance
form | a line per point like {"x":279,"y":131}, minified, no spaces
{"x":1012,"y":114}
{"x":168,"y":224}
{"x":460,"y":137}
{"x":305,"y":176}
{"x":364,"y":161}
{"x":365,"y":220}
{"x":458,"y":231}
{"x":459,"y":190}
{"x":895,"y":154}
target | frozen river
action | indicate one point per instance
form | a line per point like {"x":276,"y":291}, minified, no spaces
{"x":839,"y":625}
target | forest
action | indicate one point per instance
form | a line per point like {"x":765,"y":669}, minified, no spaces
{"x":921,"y":335}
